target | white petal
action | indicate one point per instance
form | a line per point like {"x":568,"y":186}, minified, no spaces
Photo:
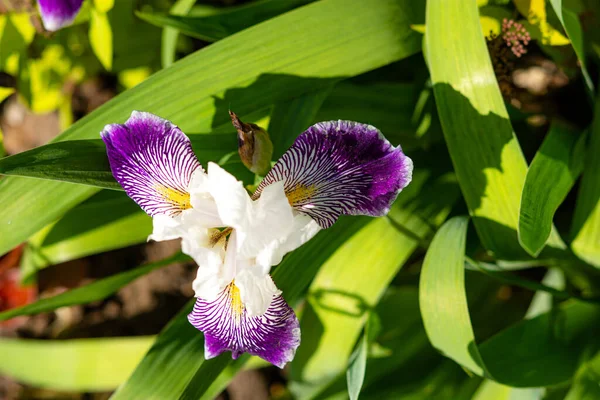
{"x":233,"y":202}
{"x":303,"y":229}
{"x":165,"y":227}
{"x":203,"y":204}
{"x":257,"y":290}
{"x":272,"y":221}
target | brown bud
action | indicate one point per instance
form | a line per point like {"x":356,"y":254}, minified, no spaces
{"x":254,"y":145}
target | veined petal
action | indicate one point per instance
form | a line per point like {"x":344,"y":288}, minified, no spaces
{"x":273,"y":336}
{"x":256,"y":290}
{"x":340,"y":167}
{"x":153,"y":161}
{"x":58,"y":13}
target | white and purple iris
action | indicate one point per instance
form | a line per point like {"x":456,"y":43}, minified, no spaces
{"x":58,"y":13}
{"x":333,"y":168}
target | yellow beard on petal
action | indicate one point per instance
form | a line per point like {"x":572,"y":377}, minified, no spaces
{"x":181,"y":200}
{"x":300,"y":194}
{"x":237,"y":307}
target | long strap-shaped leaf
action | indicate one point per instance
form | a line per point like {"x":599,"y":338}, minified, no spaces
{"x":93,"y":292}
{"x":246,"y":72}
{"x":82,"y":365}
{"x":586,"y":222}
{"x":487,"y":158}
{"x":553,"y":172}
{"x":346,"y":288}
{"x":541,"y":351}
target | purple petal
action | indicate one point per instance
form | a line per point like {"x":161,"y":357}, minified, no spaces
{"x":153,"y":161}
{"x":273,"y":336}
{"x":341,"y":167}
{"x":58,"y":13}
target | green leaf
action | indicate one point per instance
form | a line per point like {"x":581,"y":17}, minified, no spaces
{"x":572,"y":25}
{"x":291,"y":118}
{"x":443,"y":276}
{"x":541,"y":351}
{"x":220,"y":25}
{"x":487,"y":158}
{"x":170,"y":35}
{"x":81,"y":365}
{"x":491,"y":390}
{"x":552,"y":174}
{"x":585,"y":384}
{"x":338,"y":301}
{"x":79,"y":161}
{"x":101,"y":38}
{"x":107,"y":221}
{"x":85,"y":161}
{"x":586,"y":221}
{"x":387,"y":106}
{"x":93,"y":292}
{"x":355,"y":375}
{"x":197,"y":91}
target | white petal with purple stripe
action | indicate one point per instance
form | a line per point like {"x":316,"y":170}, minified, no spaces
{"x":340,"y":167}
{"x":273,"y":336}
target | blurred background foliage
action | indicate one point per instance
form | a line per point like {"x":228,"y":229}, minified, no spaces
{"x":483,"y":282}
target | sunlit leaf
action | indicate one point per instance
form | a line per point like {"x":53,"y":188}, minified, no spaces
{"x":586,"y":221}
{"x":535,"y":12}
{"x":82,"y":365}
{"x":490,"y":167}
{"x":101,"y":38}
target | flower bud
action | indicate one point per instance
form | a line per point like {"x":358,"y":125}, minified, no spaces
{"x":254,"y":145}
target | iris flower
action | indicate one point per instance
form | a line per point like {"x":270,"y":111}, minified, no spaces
{"x":333,"y":168}
{"x":58,"y":13}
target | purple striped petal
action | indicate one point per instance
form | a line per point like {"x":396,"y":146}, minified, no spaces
{"x":341,"y":167}
{"x":58,"y":13}
{"x":153,"y":161}
{"x":273,"y":336}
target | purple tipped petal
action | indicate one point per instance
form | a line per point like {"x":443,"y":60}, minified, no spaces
{"x":273,"y":336}
{"x":153,"y":161}
{"x":341,"y":167}
{"x":58,"y":13}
